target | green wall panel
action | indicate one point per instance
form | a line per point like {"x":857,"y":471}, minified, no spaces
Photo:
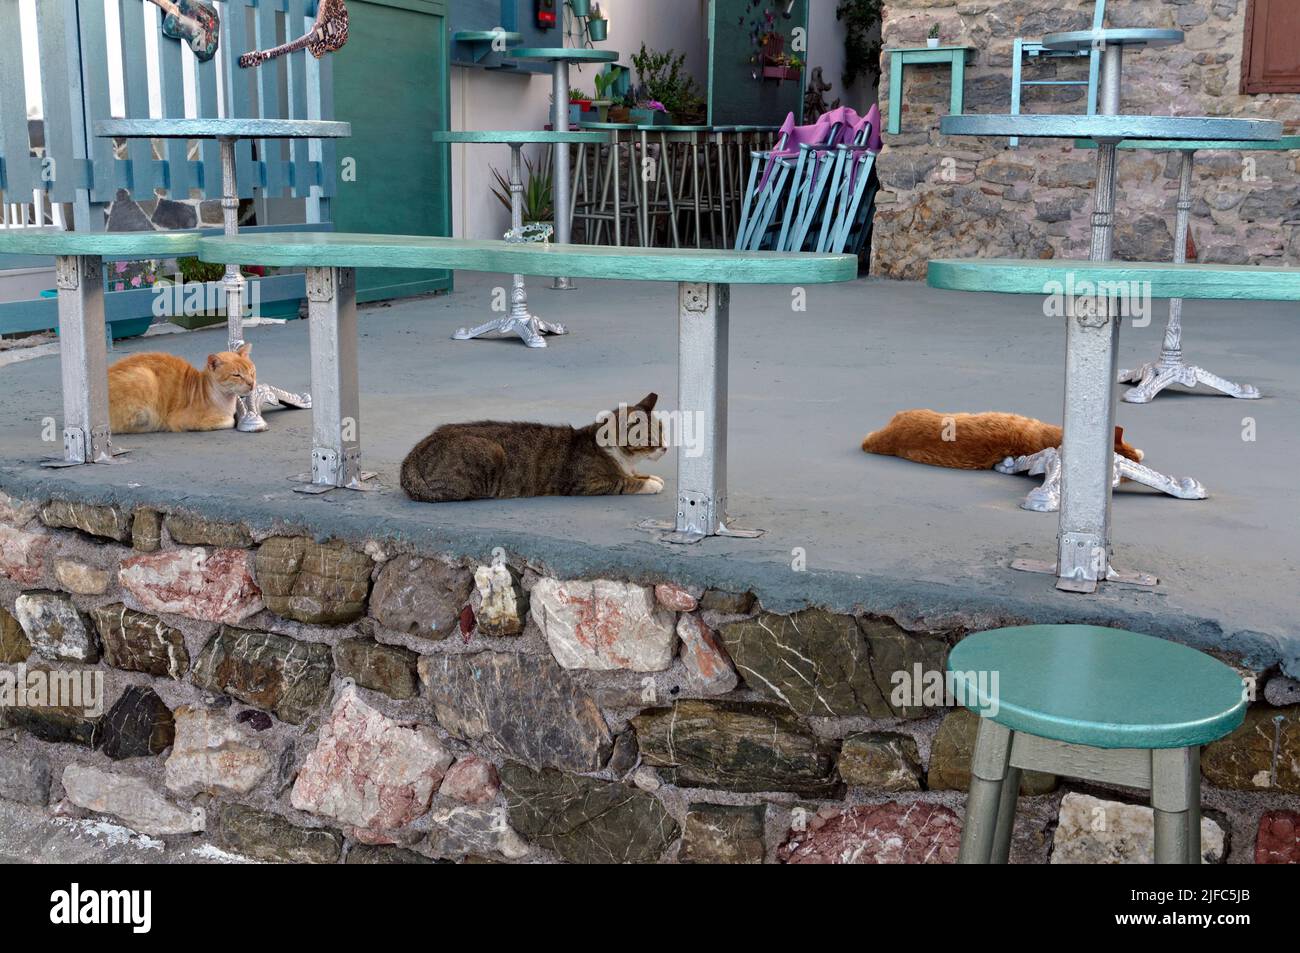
{"x":392,"y":82}
{"x":735,"y":97}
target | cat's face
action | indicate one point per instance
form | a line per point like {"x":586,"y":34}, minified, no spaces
{"x":635,"y":429}
{"x":234,"y":373}
{"x":1124,"y":449}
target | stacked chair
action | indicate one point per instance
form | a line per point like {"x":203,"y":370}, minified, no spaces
{"x":815,"y":190}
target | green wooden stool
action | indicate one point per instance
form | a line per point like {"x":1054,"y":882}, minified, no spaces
{"x":1092,"y":703}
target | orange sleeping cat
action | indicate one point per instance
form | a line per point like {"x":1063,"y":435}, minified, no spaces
{"x":161,"y":392}
{"x":970,"y":441}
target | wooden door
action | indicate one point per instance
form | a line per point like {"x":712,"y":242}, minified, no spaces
{"x":391,"y":82}
{"x":1271,"y":59}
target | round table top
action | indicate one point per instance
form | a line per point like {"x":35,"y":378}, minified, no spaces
{"x":1106,"y":688}
{"x":1111,"y":36}
{"x":660,"y":127}
{"x":518,"y":136}
{"x":1285,"y":144}
{"x":563,"y":54}
{"x":486,"y":36}
{"x":1112,"y":128}
{"x":222,"y":129}
{"x":607,"y":125}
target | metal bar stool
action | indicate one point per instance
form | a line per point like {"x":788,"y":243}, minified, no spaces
{"x":683,"y":145}
{"x":619,"y":203}
{"x":1092,"y":703}
{"x":658,"y":201}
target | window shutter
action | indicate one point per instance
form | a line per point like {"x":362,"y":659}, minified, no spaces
{"x":1271,"y":61}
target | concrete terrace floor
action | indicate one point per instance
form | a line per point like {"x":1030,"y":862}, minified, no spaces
{"x":927,"y":546}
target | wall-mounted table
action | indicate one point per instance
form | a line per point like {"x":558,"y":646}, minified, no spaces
{"x":227,"y":132}
{"x":561,"y":57}
{"x":520,"y":320}
{"x":900,"y":56}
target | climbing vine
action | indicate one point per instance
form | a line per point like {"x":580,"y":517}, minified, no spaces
{"x":861,"y":19}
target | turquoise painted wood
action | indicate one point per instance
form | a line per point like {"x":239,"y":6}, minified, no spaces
{"x":507,"y":136}
{"x":1112,"y":36}
{"x":734,"y":95}
{"x":549,"y":54}
{"x":581,"y":261}
{"x":1111,"y":127}
{"x":1105,"y":688}
{"x":953,"y":56}
{"x":1164,"y":279}
{"x":1285,"y":144}
{"x":392,"y":82}
{"x":485,"y":36}
{"x":54,"y":241}
{"x":217,"y":128}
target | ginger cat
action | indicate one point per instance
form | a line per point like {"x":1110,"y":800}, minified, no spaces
{"x":155,"y":392}
{"x":970,"y":441}
{"x":497,"y":461}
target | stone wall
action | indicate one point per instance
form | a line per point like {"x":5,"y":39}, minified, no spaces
{"x":282,"y":698}
{"x":944,"y":197}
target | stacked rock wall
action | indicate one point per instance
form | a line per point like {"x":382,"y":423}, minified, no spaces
{"x":962,"y":197}
{"x":283,"y":698}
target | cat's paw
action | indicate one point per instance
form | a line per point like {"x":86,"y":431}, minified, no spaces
{"x":652,"y":484}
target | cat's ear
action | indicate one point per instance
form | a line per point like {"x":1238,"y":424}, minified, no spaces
{"x":648,"y":402}
{"x":244,"y":350}
{"x":214,"y":361}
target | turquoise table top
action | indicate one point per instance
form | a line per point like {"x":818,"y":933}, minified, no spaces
{"x":339,"y":250}
{"x":516,"y":136}
{"x":607,"y":125}
{"x":1286,"y":143}
{"x":52,"y":241}
{"x":1111,"y":36}
{"x":222,"y":128}
{"x":1106,"y":688}
{"x":925,"y":49}
{"x":651,"y":127}
{"x":565,"y":54}
{"x":1111,"y":127}
{"x":1164,"y":279}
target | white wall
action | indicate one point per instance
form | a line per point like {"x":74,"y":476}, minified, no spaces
{"x":493,"y":99}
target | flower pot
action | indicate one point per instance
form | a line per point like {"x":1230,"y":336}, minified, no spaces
{"x":620,"y":114}
{"x":601,"y":107}
{"x":580,"y":8}
{"x":598,"y":30}
{"x":781,"y":72}
{"x":650,"y":117}
{"x":932,"y":42}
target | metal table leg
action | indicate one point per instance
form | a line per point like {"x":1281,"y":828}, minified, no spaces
{"x":1091,"y":349}
{"x":520,"y":320}
{"x":83,"y":360}
{"x":1170,"y":368}
{"x":703,"y":322}
{"x":563,"y":235}
{"x":248,"y":411}
{"x":336,"y":420}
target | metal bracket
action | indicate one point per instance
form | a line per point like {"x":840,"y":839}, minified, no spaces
{"x":320,"y":284}
{"x":695,"y":297}
{"x":328,"y":473}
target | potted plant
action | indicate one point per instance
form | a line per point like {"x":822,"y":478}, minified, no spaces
{"x":932,"y":38}
{"x":597,"y":24}
{"x":650,"y":112}
{"x":605,"y":83}
{"x":537,"y":200}
{"x":580,"y":8}
{"x":579,"y":103}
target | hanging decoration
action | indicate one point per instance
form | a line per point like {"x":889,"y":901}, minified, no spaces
{"x":327,"y":35}
{"x":194,"y":22}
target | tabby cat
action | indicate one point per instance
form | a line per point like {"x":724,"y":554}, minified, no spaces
{"x":152,"y":392}
{"x":491,"y":460}
{"x":970,"y":441}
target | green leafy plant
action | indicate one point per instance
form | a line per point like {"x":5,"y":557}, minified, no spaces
{"x":596,"y":12}
{"x":861,"y":19}
{"x":934,"y":31}
{"x":538,"y":198}
{"x":605,"y":82}
{"x":578,"y":96}
{"x":662,"y":77}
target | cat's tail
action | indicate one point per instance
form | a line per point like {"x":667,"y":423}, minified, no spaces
{"x":877,"y":442}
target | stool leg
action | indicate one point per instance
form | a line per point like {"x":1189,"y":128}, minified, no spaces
{"x":988,"y":771}
{"x":1175,"y":781}
{"x":1006,"y":817}
{"x":1194,"y":809}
